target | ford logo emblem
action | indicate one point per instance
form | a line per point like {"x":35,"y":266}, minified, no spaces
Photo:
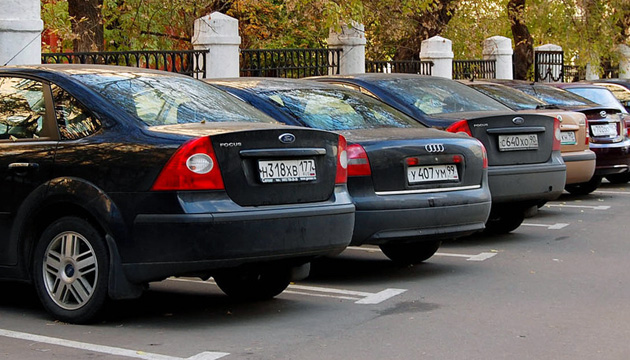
{"x":602,"y":113}
{"x":287,"y":138}
{"x":434,"y":148}
{"x":518,"y":121}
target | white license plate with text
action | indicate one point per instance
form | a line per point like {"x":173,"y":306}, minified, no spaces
{"x":271,"y":171}
{"x":567,"y":138}
{"x":604,"y":130}
{"x":518,"y":142}
{"x":420,"y":174}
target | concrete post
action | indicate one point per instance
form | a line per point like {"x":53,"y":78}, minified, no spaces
{"x":499,"y":48}
{"x":555,"y":69}
{"x":624,"y":61}
{"x":20,"y":32}
{"x":440,"y":51}
{"x":351,"y":41}
{"x":218,"y":33}
{"x":591,"y":72}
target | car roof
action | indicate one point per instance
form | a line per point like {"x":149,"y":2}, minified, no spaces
{"x":270,"y":84}
{"x":70,"y":69}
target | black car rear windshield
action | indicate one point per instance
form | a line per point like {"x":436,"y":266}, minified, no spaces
{"x":514,"y":99}
{"x":159,"y":99}
{"x":338,"y":109}
{"x":440,"y":96}
{"x":555,"y":96}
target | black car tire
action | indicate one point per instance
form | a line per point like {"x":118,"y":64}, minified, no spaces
{"x":71,"y":283}
{"x":584,"y":188}
{"x":619,"y":178}
{"x":410,"y":253}
{"x":502,"y":222}
{"x":254,"y":285}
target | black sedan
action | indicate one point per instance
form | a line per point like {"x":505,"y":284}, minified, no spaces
{"x":114,"y":177}
{"x":525,"y":164}
{"x":412,"y":186}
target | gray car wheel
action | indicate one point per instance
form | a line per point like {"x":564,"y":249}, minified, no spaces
{"x":70,"y":270}
{"x":254,"y":284}
{"x":410,"y":253}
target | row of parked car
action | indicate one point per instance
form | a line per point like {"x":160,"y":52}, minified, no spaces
{"x":114,"y":177}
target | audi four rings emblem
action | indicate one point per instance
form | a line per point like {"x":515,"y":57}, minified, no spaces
{"x":434,"y":148}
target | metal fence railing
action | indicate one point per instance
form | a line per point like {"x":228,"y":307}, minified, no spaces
{"x":548,"y":66}
{"x":289,"y":63}
{"x":474,"y":69}
{"x":188,"y":62}
{"x":399,"y":66}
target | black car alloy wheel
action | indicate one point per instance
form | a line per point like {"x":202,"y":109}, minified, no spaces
{"x":70,"y":270}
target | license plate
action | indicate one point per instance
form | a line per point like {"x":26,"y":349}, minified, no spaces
{"x":604,"y":130}
{"x":272,"y":171}
{"x":567,"y":138}
{"x":420,"y":174}
{"x":518,"y":142}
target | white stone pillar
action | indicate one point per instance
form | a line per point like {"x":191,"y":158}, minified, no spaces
{"x":20,"y":32}
{"x":440,"y":51}
{"x":555,"y":69}
{"x":624,"y":61}
{"x":351,"y":41}
{"x":499,"y":48}
{"x":591,"y":72}
{"x":218,"y":33}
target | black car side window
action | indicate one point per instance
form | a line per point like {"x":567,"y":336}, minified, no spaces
{"x":73,"y":120}
{"x":22,"y":108}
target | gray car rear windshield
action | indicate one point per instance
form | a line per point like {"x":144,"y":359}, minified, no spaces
{"x":159,"y":99}
{"x":338,"y":109}
{"x":555,"y":96}
{"x":515,"y":99}
{"x":440,"y":96}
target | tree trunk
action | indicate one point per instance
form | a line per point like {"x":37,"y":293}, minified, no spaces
{"x":429,"y":23}
{"x":523,"y":42}
{"x":87,"y":24}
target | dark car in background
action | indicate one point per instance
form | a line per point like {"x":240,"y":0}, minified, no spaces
{"x":412,"y":186}
{"x":595,"y":93}
{"x":620,"y":88}
{"x":580,"y":161}
{"x":607,"y":129}
{"x":113,"y":177}
{"x":525,"y":165}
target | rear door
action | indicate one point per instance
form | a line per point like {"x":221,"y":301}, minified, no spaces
{"x":28,"y":138}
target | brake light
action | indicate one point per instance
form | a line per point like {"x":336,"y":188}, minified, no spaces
{"x":358,"y":163}
{"x":557,"y":138}
{"x":460,"y":127}
{"x":588,"y":135}
{"x":342,"y":161}
{"x":194,"y":166}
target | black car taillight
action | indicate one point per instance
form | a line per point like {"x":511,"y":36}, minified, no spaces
{"x":460,"y":127}
{"x":342,"y":162}
{"x":358,"y":163}
{"x":557,"y":137}
{"x":194,"y":166}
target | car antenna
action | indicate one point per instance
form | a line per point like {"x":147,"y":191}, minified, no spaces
{"x":23,"y":48}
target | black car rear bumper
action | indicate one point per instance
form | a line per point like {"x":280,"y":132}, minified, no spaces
{"x":390,"y":218}
{"x":178,"y":244}
{"x":528,"y":183}
{"x":611,"y":158}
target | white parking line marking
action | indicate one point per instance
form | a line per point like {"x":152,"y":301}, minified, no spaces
{"x":380,"y":296}
{"x":105,"y":349}
{"x":479,"y":257}
{"x":556,"y":226}
{"x":599,"y":207}
{"x":611,"y":192}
